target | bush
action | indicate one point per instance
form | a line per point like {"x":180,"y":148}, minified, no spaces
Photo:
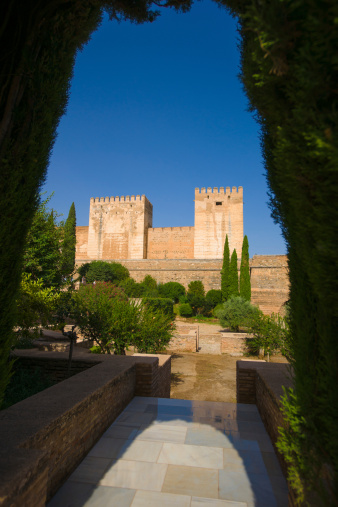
{"x":172,"y":290}
{"x":197,"y":288}
{"x":105,"y":316}
{"x":154,"y":330}
{"x":101,"y":271}
{"x":214,"y":297}
{"x":185,"y":310}
{"x":131,"y":288}
{"x":163,"y":304}
{"x":149,"y":287}
{"x":236,"y":312}
{"x":197,"y":303}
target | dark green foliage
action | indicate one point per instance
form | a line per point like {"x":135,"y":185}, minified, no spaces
{"x":105,"y":272}
{"x":83,"y":269}
{"x":196,"y":288}
{"x":214,"y":297}
{"x":164,"y":305}
{"x":42,"y":257}
{"x":244,"y":274}
{"x":225,"y":272}
{"x":270,"y":333}
{"x":172,"y":290}
{"x":104,"y":315}
{"x":154,"y":330}
{"x":131,"y":288}
{"x":236,"y":313}
{"x":185,"y":310}
{"x":290,"y":72}
{"x":23,"y":384}
{"x":149,"y":287}
{"x":69,"y":244}
{"x":233,"y":276}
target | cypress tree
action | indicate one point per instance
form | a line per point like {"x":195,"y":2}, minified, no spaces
{"x":225,"y":271}
{"x":233,"y":275}
{"x":244,"y":276}
{"x":69,"y":242}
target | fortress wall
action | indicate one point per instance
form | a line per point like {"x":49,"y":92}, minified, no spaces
{"x":81,"y":242}
{"x":218,"y":212}
{"x":170,"y":243}
{"x":117,"y":227}
{"x":269,"y":279}
{"x":269,"y":282}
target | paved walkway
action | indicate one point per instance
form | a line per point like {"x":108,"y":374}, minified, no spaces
{"x":170,"y":452}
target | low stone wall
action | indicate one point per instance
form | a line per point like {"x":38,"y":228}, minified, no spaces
{"x":46,"y":436}
{"x":186,"y":339}
{"x":234,"y":343}
{"x":262,"y":384}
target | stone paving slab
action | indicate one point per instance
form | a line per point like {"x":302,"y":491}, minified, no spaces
{"x":180,"y":453}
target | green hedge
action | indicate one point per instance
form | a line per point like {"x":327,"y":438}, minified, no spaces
{"x":164,"y":304}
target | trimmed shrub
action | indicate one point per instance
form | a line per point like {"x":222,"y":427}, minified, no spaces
{"x":160,"y":304}
{"x":172,"y":290}
{"x":131,"y":288}
{"x":197,"y":288}
{"x":214,"y":297}
{"x":185,"y":310}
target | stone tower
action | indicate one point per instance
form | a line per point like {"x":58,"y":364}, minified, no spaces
{"x":118,"y":227}
{"x":218,"y":213}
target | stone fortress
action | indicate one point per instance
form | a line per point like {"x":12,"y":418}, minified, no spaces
{"x":120,"y":229}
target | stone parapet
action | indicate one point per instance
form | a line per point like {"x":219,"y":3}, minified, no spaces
{"x":45,"y":437}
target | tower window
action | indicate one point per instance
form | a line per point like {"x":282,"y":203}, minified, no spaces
{"x":219,"y":203}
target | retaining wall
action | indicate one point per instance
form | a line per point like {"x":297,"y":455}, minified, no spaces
{"x":45,"y":437}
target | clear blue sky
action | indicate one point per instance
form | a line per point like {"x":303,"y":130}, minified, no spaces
{"x":158,"y":109}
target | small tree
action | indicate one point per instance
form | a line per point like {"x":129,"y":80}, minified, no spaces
{"x":233,"y":276}
{"x":42,"y":256}
{"x":244,"y":276}
{"x":131,"y":288}
{"x":104,"y":272}
{"x":270,"y":333}
{"x":149,"y":286}
{"x":35,"y":306}
{"x":225,"y":272}
{"x":196,"y":288}
{"x":154,"y":330}
{"x":69,"y":244}
{"x":236,"y":313}
{"x":105,"y":316}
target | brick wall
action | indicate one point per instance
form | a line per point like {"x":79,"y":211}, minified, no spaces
{"x":170,"y":243}
{"x":261,"y":383}
{"x":61,"y":424}
{"x":269,"y":276}
{"x":234,"y":343}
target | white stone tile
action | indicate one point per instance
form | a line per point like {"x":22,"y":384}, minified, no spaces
{"x":136,"y":418}
{"x":141,"y":450}
{"x":155,"y":499}
{"x":135,"y":475}
{"x":109,"y":447}
{"x":120,"y":431}
{"x":163,"y":433}
{"x":91,"y":470}
{"x":214,"y":502}
{"x":191,"y":455}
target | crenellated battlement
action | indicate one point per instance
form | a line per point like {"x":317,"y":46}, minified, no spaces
{"x":219,"y":191}
{"x":122,"y":198}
